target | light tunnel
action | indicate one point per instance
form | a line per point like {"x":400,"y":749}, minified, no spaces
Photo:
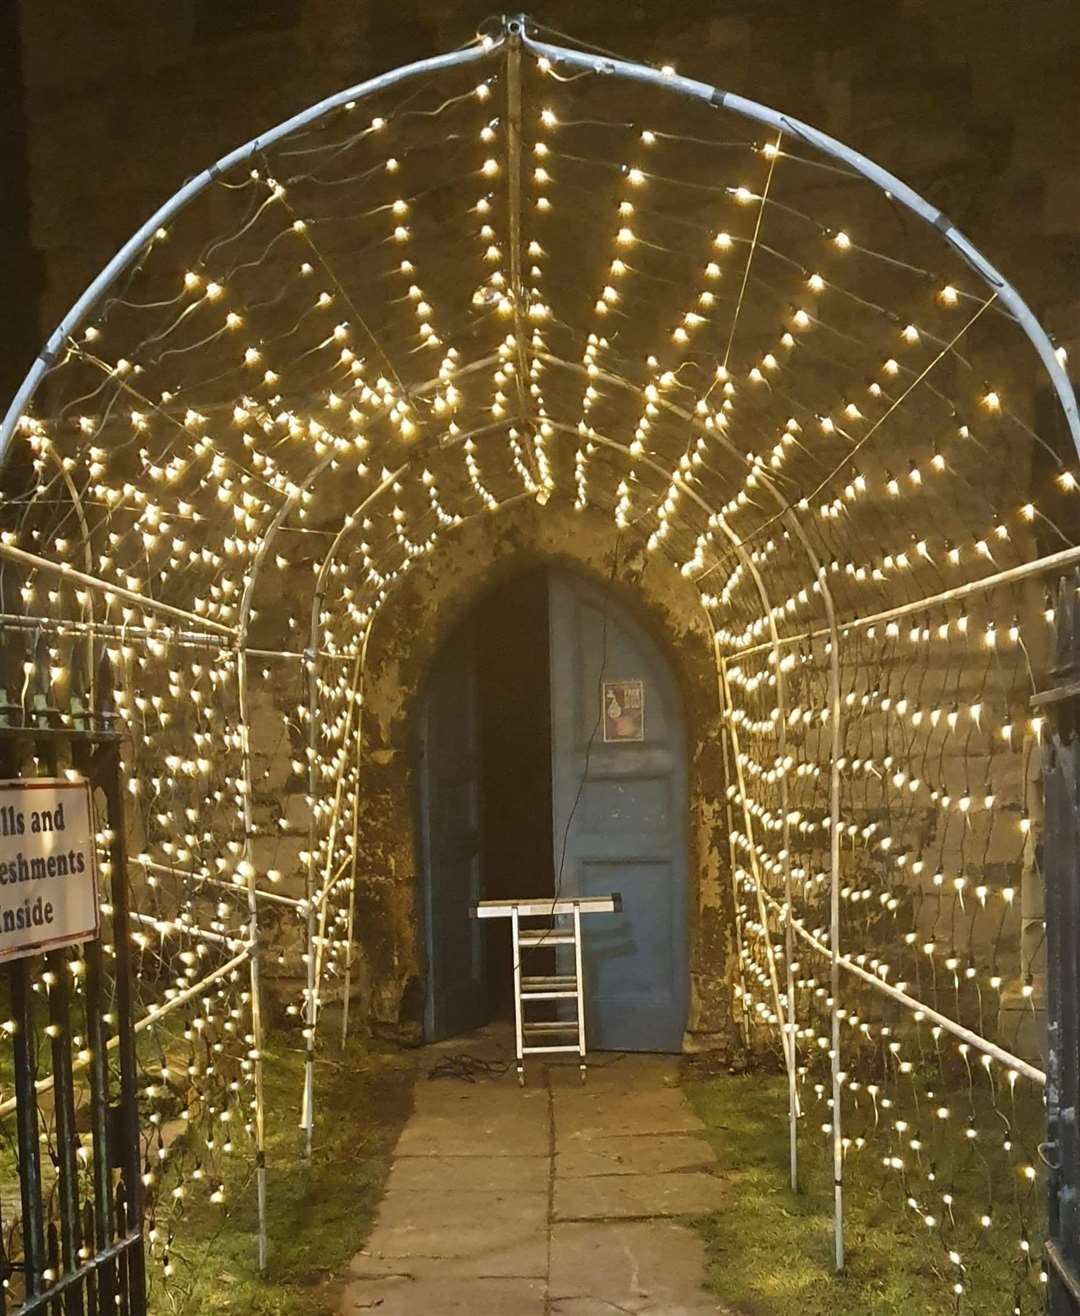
{"x":524,"y":284}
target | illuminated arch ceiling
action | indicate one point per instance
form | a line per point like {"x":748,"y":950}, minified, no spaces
{"x":707,"y":318}
{"x":517,"y":271}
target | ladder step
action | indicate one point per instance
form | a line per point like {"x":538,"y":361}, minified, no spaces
{"x":549,"y":984}
{"x":539,"y":1050}
{"x":550,"y":996}
{"x":545,"y":939}
{"x":564,"y":1026}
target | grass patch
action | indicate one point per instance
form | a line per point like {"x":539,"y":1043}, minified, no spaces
{"x":769,"y":1251}
{"x":319,"y":1214}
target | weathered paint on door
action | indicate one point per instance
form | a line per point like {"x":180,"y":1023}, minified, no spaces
{"x":450,"y":836}
{"x":620,"y":815}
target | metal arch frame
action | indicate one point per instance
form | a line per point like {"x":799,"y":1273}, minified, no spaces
{"x":784,"y":1001}
{"x":895,"y":188}
{"x":144,"y":235}
{"x":515,"y":31}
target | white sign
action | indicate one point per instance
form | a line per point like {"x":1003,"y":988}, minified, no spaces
{"x":48,"y":865}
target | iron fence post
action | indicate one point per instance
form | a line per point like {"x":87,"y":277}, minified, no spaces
{"x":1060,"y":705}
{"x":129,"y":1111}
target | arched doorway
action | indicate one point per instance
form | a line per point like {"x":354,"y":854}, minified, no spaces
{"x":552,"y":758}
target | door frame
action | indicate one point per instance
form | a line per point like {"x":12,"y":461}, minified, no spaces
{"x":420,"y":793}
{"x":626,"y":610}
{"x":455,"y":611}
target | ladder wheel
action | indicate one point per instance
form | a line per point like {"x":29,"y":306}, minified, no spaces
{"x":521,"y":1078}
{"x":582,"y":1069}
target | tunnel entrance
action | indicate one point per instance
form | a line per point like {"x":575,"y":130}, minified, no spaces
{"x":552,"y":759}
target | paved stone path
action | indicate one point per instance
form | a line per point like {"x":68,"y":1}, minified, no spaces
{"x":555,"y":1200}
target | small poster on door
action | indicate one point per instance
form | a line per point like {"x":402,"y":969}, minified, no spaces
{"x":624,"y":711}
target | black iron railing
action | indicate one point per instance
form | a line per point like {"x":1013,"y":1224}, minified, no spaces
{"x":1060,"y":706}
{"x":78,"y":1246}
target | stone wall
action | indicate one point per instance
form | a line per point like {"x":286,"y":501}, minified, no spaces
{"x":123,"y":102}
{"x":404,"y":641}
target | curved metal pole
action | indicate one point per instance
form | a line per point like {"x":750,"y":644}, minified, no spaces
{"x":784,"y":1002}
{"x":347,"y":989}
{"x":307,"y":1112}
{"x":897,"y":190}
{"x":789,"y":518}
{"x":243,"y":621}
{"x":144,"y":603}
{"x":191,"y":189}
{"x":725,"y":745}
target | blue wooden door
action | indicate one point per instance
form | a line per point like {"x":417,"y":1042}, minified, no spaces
{"x":620,"y":808}
{"x":450,"y":778}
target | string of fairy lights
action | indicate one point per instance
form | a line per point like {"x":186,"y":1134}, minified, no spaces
{"x":511,"y":284}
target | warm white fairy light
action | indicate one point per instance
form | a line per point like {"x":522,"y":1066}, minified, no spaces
{"x":431,"y":396}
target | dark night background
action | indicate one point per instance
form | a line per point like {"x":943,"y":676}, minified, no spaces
{"x":108,"y":108}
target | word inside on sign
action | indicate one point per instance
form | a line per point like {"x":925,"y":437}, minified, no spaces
{"x":48,"y":883}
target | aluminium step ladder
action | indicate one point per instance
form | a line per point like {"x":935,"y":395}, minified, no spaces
{"x":544,"y":924}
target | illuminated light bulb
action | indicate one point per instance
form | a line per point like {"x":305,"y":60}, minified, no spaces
{"x":842,"y":240}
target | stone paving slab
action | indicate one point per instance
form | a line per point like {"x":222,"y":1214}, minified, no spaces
{"x":622,"y":1072}
{"x":505,"y":1232}
{"x":514,"y":1261}
{"x":633,"y":1154}
{"x":601,"y":1115}
{"x":466,"y":1101}
{"x":552,"y":1200}
{"x":498,"y":1122}
{"x":437,"y":1296}
{"x":654,"y":1268}
{"x":498,"y":1176}
{"x":615,"y":1196}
